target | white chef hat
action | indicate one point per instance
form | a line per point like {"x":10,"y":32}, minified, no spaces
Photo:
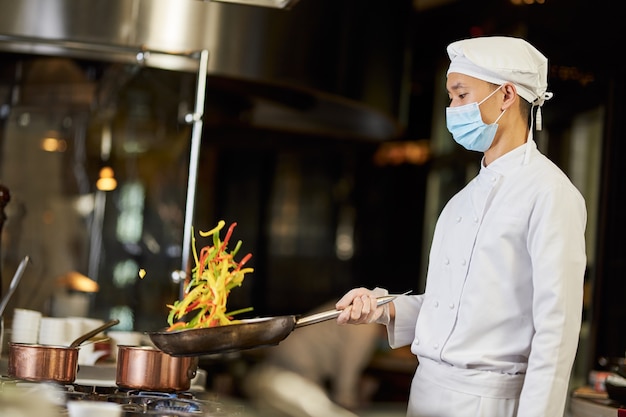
{"x":500,"y":59}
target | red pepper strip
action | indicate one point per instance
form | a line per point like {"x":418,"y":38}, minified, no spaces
{"x":243,"y":262}
{"x":228,"y":235}
{"x":204,"y":253}
{"x":192,"y":306}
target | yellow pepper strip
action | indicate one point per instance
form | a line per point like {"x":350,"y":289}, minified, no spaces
{"x":216,"y":229}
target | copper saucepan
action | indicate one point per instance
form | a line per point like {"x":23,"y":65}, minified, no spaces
{"x":148,"y":369}
{"x":34,"y":362}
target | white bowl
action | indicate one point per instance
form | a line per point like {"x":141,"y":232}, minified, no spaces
{"x":86,"y":408}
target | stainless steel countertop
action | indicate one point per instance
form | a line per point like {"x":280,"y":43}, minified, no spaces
{"x":585,"y":407}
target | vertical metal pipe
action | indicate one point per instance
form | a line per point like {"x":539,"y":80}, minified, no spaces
{"x":5,"y":197}
{"x":194,"y":156}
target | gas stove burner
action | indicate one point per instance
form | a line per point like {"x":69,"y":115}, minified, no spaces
{"x":158,"y":403}
{"x":184,"y":395}
{"x":184,"y":406}
{"x":174,"y":405}
{"x":142,"y":403}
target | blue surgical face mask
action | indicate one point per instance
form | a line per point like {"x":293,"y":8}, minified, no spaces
{"x":467,"y":127}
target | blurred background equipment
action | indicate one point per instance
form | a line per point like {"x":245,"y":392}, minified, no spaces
{"x":317,"y":371}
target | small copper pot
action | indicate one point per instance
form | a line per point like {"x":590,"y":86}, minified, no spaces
{"x":32,"y":362}
{"x":149,"y":369}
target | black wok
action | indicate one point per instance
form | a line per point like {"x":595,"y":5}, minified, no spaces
{"x":245,"y":334}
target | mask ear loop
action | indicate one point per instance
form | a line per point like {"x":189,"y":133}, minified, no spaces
{"x":490,"y":94}
{"x":499,"y":117}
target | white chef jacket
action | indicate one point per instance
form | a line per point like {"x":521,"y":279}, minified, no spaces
{"x":503,"y":300}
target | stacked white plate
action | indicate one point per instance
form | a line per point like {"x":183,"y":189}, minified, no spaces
{"x":25,"y":327}
{"x":76,"y":327}
{"x":52,"y":331}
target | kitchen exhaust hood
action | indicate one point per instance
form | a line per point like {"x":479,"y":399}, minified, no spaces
{"x":274,"y":51}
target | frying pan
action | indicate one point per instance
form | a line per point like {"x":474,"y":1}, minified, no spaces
{"x":245,"y":334}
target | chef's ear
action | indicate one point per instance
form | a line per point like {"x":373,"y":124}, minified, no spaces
{"x":510,"y":94}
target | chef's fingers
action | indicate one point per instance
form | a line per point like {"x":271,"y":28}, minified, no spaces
{"x":344,"y":316}
{"x":361,"y":310}
{"x":370,"y":311}
{"x":347,"y":299}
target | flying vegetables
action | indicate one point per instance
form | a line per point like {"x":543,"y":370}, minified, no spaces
{"x":215,"y":274}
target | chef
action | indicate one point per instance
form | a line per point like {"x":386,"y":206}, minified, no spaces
{"x":497,"y":327}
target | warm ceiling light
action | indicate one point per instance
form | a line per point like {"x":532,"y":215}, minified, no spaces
{"x":107,"y":181}
{"x":77,"y":282}
{"x":402,"y":152}
{"x":52,"y":143}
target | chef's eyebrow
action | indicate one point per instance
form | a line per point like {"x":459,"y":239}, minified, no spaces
{"x":456,"y":86}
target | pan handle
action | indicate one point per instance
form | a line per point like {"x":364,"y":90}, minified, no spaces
{"x":333,"y":314}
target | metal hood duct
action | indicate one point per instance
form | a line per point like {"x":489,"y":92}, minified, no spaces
{"x":277,"y":54}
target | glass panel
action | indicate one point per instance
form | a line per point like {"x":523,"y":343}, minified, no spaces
{"x":66,"y":127}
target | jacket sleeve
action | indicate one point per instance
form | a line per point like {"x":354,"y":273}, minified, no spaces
{"x":401,"y":330}
{"x":556,"y":244}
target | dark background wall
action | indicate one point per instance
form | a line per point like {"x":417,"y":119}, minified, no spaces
{"x":363,"y":44}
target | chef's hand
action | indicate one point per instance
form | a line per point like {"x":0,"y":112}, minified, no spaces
{"x":359,"y":306}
